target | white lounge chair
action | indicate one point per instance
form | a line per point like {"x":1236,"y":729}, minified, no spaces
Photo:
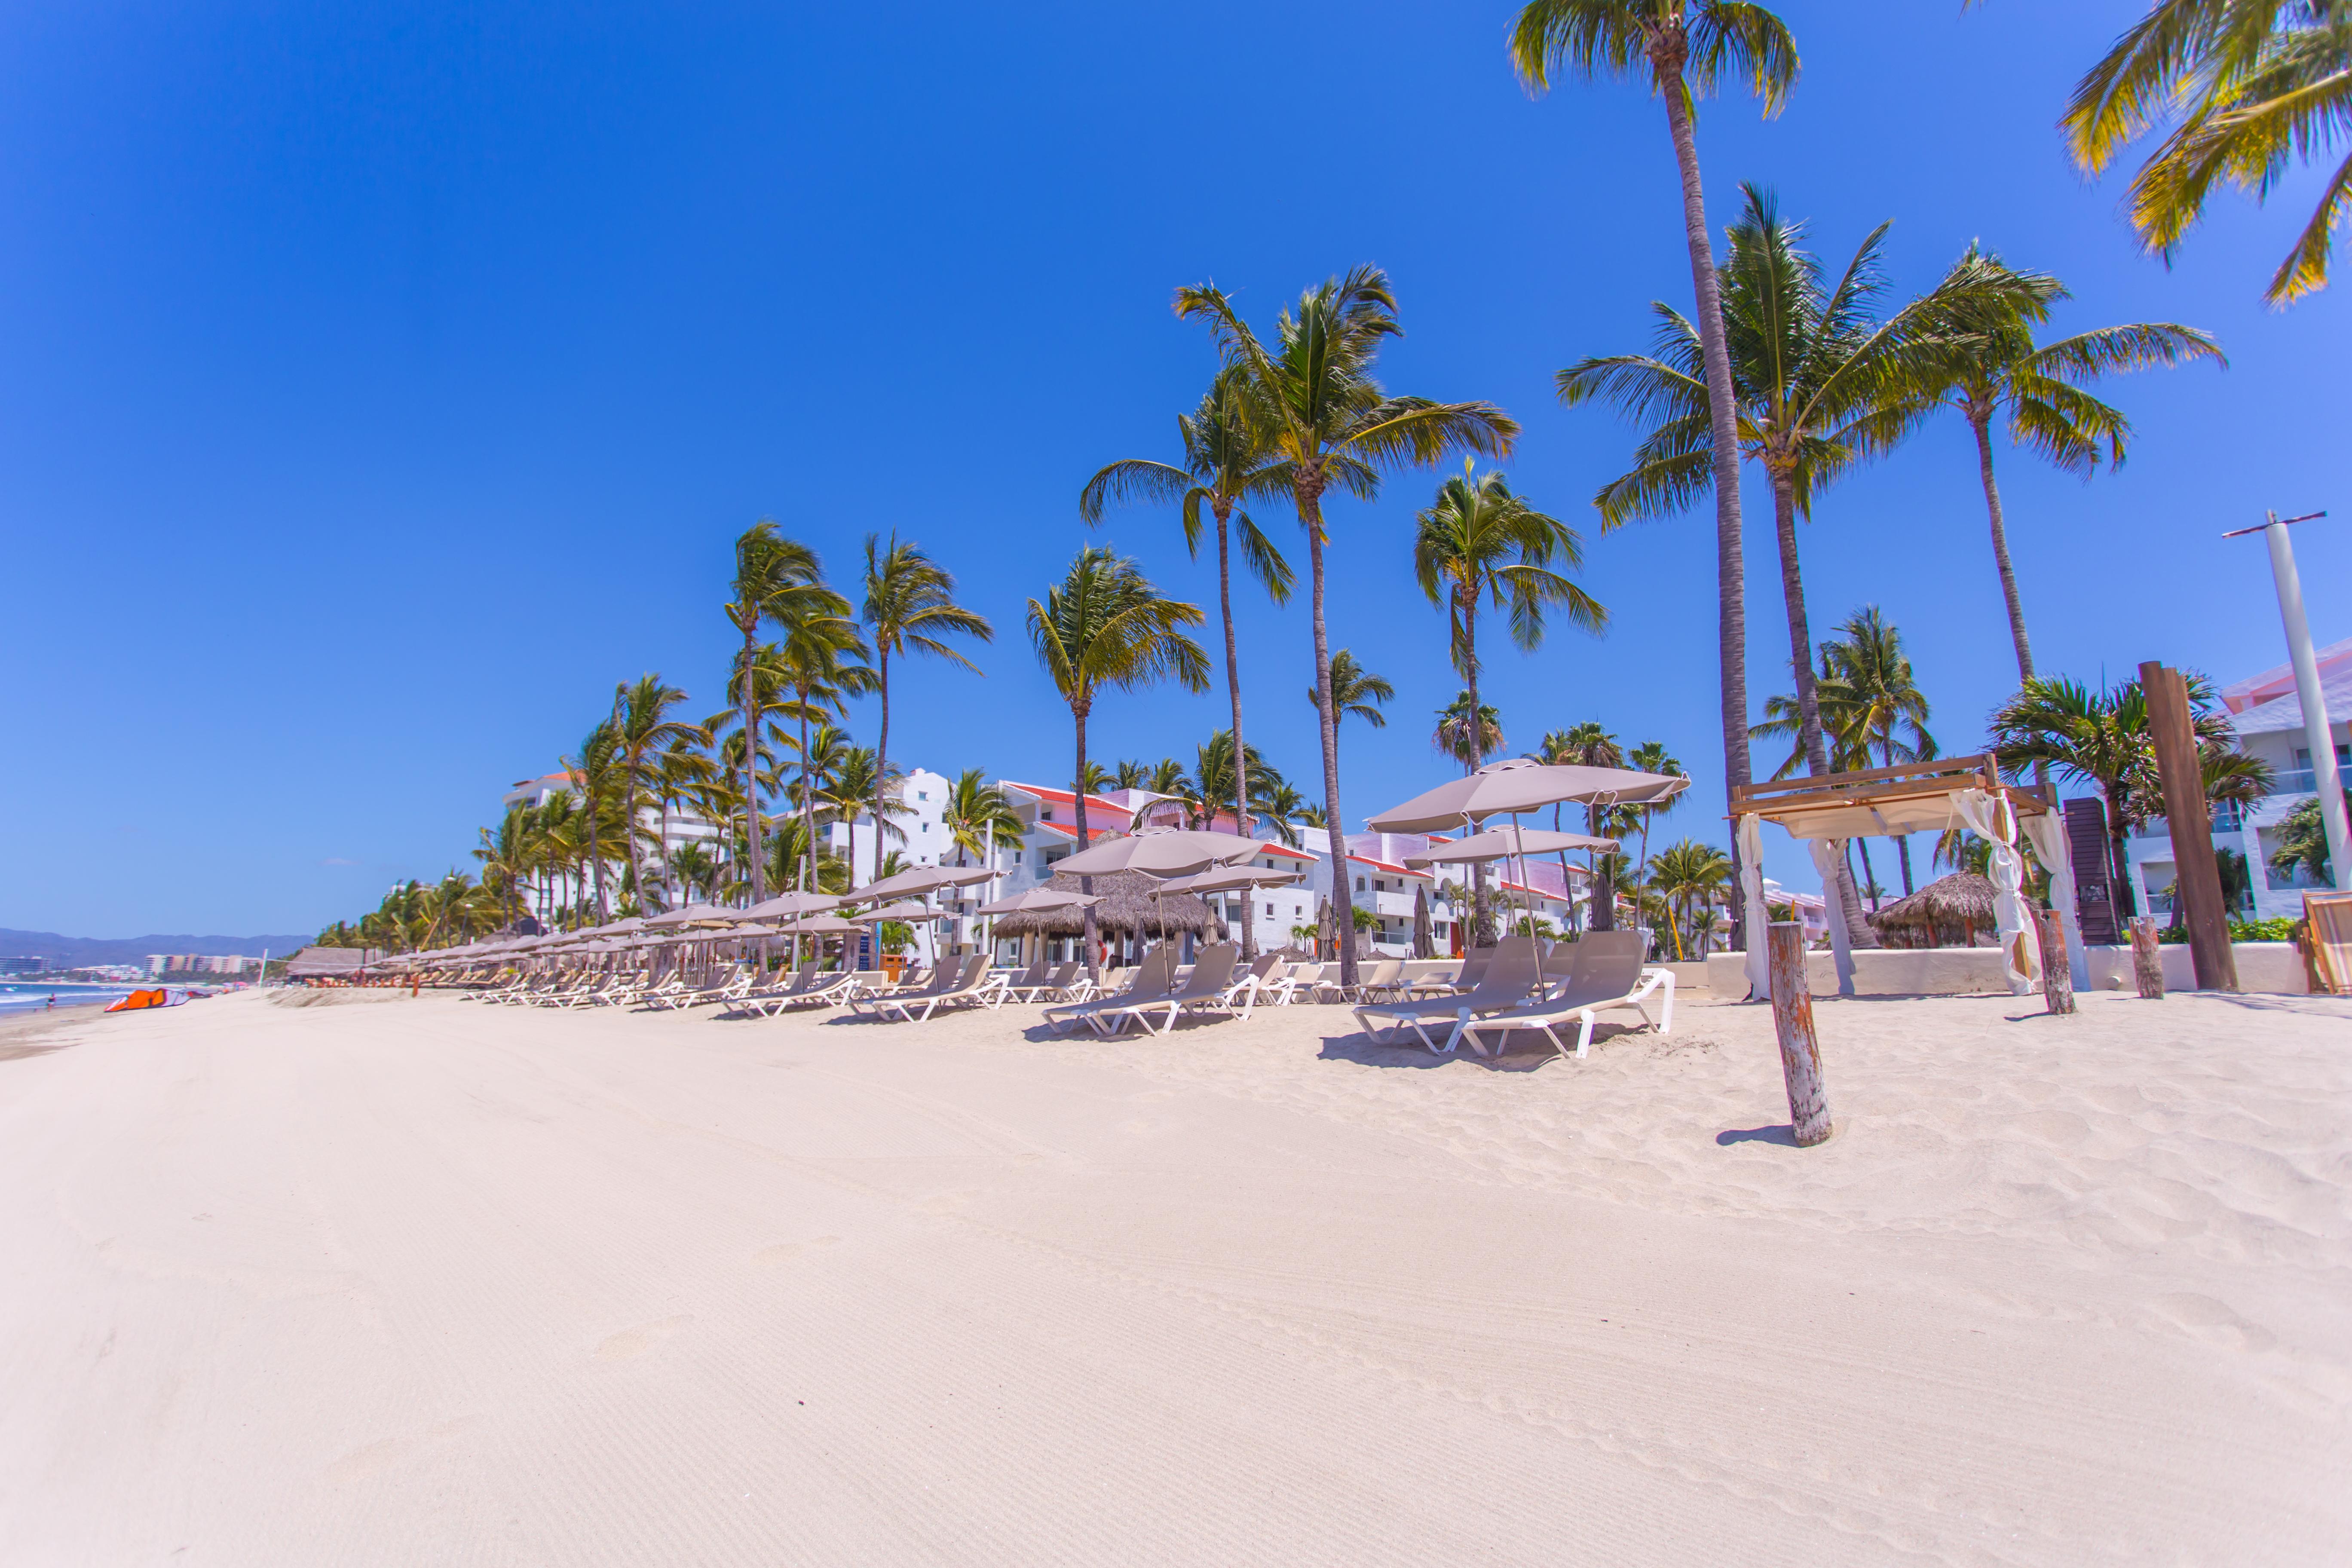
{"x":1607,"y":975}
{"x":969,"y":983}
{"x":1206,"y":986}
{"x":1510,"y":975}
{"x":944,"y":976}
{"x":1155,"y":976}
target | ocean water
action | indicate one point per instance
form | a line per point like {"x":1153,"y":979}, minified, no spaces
{"x":32,"y":995}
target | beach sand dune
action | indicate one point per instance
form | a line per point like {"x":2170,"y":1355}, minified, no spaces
{"x":422,"y":1281}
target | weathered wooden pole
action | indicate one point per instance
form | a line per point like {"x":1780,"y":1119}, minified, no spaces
{"x":1792,"y":1021}
{"x":2057,"y":973}
{"x":2198,"y":876}
{"x":2147,"y":959}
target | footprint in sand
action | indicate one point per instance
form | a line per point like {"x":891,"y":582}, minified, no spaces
{"x":784,"y":1251}
{"x":631,"y":1343}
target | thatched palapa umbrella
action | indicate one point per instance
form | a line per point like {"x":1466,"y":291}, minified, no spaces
{"x":1947,"y":912}
{"x":1127,"y":907}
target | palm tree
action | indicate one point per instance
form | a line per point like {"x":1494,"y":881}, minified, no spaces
{"x":1986,"y":365}
{"x":1279,"y":807}
{"x":506,"y":858}
{"x":1106,"y":627}
{"x":1091,"y":780}
{"x":1459,"y":739}
{"x":1167,"y":777}
{"x":859,"y":787}
{"x":597,"y":766}
{"x":976,"y":816}
{"x":1226,"y":463}
{"x":775,"y":579}
{"x":1479,"y":543}
{"x":1687,"y":46}
{"x":1880,"y":707}
{"x":2102,"y":739}
{"x":821,"y":661}
{"x":1314,"y":400}
{"x":1821,"y":387}
{"x":910,"y":609}
{"x":1355,"y":691}
{"x":2254,"y":84}
{"x":644,"y":729}
{"x":1130,"y":775}
{"x":1651,"y":757}
{"x":1688,"y":873}
{"x":1588,"y":745}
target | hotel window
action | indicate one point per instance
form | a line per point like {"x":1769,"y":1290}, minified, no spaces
{"x":1359,"y":884}
{"x":1016,"y":857}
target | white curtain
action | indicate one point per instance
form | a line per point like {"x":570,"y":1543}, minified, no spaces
{"x":1827,"y":852}
{"x":1751,"y":894}
{"x":2047,"y":834}
{"x":1994,"y":823}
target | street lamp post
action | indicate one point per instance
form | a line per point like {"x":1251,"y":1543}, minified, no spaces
{"x":2316,"y":726}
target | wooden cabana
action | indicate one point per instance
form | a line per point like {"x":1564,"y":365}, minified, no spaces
{"x":1931,"y":796}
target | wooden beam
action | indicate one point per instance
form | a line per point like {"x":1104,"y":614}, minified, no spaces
{"x":2197,"y":874}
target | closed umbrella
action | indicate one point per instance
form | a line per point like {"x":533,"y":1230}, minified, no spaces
{"x":1425,"y":943}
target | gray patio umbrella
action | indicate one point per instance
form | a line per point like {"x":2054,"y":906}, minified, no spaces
{"x":1160,"y":852}
{"x":1516,"y":784}
{"x":920,"y":880}
{"x":1039,"y":899}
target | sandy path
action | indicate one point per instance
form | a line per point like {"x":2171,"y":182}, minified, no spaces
{"x":427,"y":1282}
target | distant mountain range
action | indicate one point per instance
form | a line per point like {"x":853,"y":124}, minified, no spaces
{"x":75,"y":951}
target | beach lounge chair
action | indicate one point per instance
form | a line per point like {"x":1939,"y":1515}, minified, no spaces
{"x":1608,"y":974}
{"x":1381,"y":980}
{"x":1509,"y":975}
{"x":943,"y":979}
{"x":1042,"y":984}
{"x":757,"y":998}
{"x":1154,"y":977}
{"x":969,"y":983}
{"x":1211,"y":977}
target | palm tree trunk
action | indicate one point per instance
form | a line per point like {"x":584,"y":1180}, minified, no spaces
{"x":1223,"y":510}
{"x":1903,"y":853}
{"x":1086,"y":884}
{"x":1982,"y":424}
{"x":808,"y":808}
{"x":1310,"y":512}
{"x":751,"y":783}
{"x":1482,"y":917}
{"x":882,"y":756}
{"x":1601,"y":913}
{"x":2119,"y":858}
{"x":1730,"y":562}
{"x":1809,"y":705}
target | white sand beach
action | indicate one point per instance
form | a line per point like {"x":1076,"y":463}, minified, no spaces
{"x":390,"y":1282}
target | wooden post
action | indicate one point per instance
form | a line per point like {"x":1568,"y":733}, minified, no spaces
{"x":2057,"y":974}
{"x":1792,"y":1021}
{"x":2147,"y":959}
{"x":2198,"y":882}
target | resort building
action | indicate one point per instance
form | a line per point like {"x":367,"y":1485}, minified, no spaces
{"x":2268,"y":720}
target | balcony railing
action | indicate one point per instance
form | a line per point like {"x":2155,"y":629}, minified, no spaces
{"x":2294,"y":781}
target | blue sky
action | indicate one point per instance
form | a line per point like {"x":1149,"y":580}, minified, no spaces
{"x":378,"y":385}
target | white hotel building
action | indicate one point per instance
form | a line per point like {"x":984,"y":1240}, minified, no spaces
{"x":2268,"y":720}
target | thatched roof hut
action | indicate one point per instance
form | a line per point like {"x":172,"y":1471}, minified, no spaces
{"x":1127,"y":907}
{"x":1951,"y":911}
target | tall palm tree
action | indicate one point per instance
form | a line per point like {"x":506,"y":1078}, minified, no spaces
{"x":1880,"y":709}
{"x":1467,"y":743}
{"x":2249,"y":86}
{"x":1688,"y":46}
{"x":596,"y":766}
{"x":977,"y":816}
{"x":820,"y":658}
{"x":644,"y":729}
{"x":1313,"y":398}
{"x":1280,"y":808}
{"x":506,"y":858}
{"x":1226,"y":462}
{"x":775,"y":579}
{"x":1589,"y":745}
{"x":1356,"y":693}
{"x":1985,"y":364}
{"x":1822,"y":386}
{"x":1651,"y":757}
{"x":1479,"y":543}
{"x":1103,"y":626}
{"x":680,"y":774}
{"x":1217,"y":774}
{"x":860,"y":786}
{"x":910,"y":609}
